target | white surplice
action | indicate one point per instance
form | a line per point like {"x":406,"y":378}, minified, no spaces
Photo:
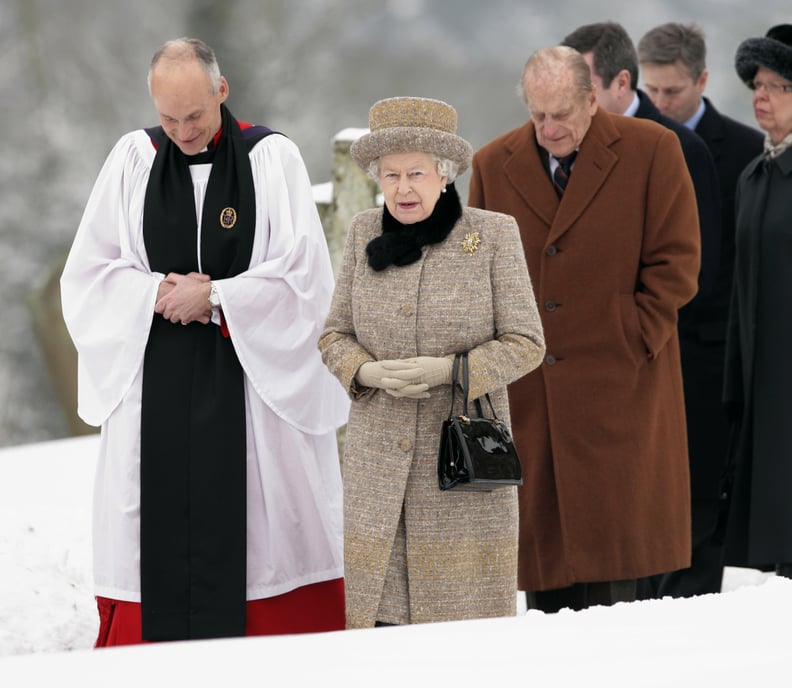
{"x":274,"y":311}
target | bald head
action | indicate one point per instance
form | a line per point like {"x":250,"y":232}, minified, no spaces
{"x":559,"y":65}
{"x":560,"y":97}
{"x":182,"y":51}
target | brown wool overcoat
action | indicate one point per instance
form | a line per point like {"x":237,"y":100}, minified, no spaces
{"x":600,"y":426}
{"x":461,"y":549}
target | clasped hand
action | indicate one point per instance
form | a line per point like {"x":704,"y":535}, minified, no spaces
{"x":184,"y":298}
{"x":408,"y":377}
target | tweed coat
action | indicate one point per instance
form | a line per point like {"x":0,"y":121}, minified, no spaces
{"x":461,"y":548}
{"x":758,"y":372}
{"x":600,"y":426}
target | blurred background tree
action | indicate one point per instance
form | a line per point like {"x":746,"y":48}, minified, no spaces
{"x":74,"y":80}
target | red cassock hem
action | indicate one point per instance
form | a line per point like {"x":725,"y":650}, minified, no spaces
{"x":311,"y":609}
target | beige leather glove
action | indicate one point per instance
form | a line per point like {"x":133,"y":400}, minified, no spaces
{"x":397,"y":378}
{"x":436,"y":371}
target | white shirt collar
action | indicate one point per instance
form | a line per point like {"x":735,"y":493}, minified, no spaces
{"x":630,"y":111}
{"x":693,"y":122}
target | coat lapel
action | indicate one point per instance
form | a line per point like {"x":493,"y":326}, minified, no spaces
{"x":711,"y":129}
{"x":526,"y":173}
{"x":593,"y":165}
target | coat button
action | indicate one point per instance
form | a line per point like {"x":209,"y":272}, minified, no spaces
{"x":406,"y":310}
{"x":550,"y":359}
{"x":550,"y":305}
{"x":405,"y":445}
{"x":551,"y":250}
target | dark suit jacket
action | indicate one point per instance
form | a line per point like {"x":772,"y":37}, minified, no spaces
{"x":732,"y":145}
{"x":702,"y":322}
{"x":705,"y":181}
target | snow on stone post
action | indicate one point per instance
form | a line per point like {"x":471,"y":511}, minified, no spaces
{"x":352,"y":191}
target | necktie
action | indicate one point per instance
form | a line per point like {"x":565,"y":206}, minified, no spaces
{"x":562,"y":172}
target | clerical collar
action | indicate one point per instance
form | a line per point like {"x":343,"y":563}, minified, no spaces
{"x":207,"y":154}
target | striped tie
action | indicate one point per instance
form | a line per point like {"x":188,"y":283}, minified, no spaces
{"x":562,"y":172}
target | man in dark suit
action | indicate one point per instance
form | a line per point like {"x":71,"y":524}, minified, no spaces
{"x":673,"y":62}
{"x":612,"y":58}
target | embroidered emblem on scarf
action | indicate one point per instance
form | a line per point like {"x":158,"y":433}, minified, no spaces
{"x":228,"y":218}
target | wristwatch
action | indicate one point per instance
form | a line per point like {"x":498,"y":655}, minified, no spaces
{"x":214,"y":297}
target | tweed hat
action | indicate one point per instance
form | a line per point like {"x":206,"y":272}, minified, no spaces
{"x":407,"y":125}
{"x":773,"y":51}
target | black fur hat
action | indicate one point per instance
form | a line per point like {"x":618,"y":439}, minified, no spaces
{"x":773,"y":51}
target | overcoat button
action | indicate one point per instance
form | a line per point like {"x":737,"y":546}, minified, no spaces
{"x":405,"y":445}
{"x":550,"y":305}
{"x":551,"y":250}
{"x":550,"y":359}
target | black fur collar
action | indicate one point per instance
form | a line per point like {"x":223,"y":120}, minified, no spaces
{"x":401,"y":244}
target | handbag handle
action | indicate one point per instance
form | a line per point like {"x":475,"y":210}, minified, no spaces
{"x":454,"y":376}
{"x":463,"y":357}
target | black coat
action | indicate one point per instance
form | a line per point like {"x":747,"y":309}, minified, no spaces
{"x":716,"y":154}
{"x":703,"y":325}
{"x":758,"y":372}
{"x":732,"y":145}
{"x":702,"y":337}
{"x":705,"y":181}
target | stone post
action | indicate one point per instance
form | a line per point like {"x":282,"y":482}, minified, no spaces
{"x":352,"y":191}
{"x":56,"y":345}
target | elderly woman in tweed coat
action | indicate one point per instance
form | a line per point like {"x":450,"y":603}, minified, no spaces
{"x":422,"y":279}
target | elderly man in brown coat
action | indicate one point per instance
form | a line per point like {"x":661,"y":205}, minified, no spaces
{"x":612,"y":244}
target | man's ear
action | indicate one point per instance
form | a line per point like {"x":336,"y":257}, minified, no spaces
{"x":223,"y":90}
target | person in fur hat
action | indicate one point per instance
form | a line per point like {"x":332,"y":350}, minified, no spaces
{"x":758,"y":374}
{"x":422,"y":279}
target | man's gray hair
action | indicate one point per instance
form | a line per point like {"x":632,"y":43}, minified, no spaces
{"x":555,"y":63}
{"x":185,"y":49}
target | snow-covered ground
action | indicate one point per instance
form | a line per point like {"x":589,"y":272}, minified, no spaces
{"x":48,"y":621}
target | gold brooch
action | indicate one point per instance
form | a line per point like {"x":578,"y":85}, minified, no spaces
{"x":471,"y":242}
{"x":228,"y":218}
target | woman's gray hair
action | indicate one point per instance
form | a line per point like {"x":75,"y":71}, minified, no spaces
{"x":445,"y":168}
{"x":182,"y":49}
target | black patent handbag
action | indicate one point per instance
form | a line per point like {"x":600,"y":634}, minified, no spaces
{"x":475,"y":453}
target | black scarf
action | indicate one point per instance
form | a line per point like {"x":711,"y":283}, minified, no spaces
{"x":193,"y":449}
{"x":401,"y":244}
